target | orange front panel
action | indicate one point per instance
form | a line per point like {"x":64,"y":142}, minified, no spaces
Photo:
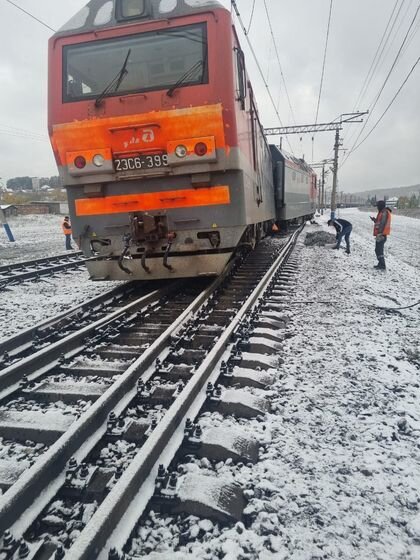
{"x":154,"y":132}
{"x":163,"y":200}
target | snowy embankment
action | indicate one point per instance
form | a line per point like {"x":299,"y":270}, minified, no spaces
{"x":24,"y":305}
{"x":339,"y":471}
{"x":36,"y":237}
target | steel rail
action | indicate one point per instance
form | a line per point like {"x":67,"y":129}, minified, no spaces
{"x":46,"y":271}
{"x":39,"y":484}
{"x":116,"y":517}
{"x":40,"y":362}
{"x":24,"y":264}
{"x":24,"y":340}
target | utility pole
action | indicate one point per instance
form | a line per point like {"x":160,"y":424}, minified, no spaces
{"x":335,"y":174}
{"x":322,"y":165}
{"x":319,"y":195}
{"x":337,"y":125}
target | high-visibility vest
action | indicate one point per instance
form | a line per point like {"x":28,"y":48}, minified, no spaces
{"x":66,"y":227}
{"x":387,"y":228}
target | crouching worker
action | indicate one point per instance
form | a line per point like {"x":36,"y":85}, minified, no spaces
{"x":66,"y":225}
{"x":343,"y":229}
{"x":381,"y":230}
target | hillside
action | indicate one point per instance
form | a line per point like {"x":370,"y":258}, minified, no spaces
{"x":388,"y":192}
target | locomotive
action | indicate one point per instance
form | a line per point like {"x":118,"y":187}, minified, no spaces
{"x":157,"y":137}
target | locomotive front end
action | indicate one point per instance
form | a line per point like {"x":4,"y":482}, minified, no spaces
{"x":141,"y":133}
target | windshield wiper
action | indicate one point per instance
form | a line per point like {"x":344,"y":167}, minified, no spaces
{"x":185,"y":77}
{"x":116,"y":82}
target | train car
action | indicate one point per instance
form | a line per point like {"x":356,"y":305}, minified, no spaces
{"x":157,"y":138}
{"x":295,"y":187}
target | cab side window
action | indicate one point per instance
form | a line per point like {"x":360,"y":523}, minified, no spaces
{"x":241,"y":91}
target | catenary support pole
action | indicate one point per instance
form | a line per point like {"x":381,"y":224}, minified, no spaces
{"x":319,"y":195}
{"x":335,"y":174}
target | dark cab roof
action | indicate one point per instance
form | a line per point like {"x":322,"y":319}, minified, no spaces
{"x":281,"y":155}
{"x":101,"y":14}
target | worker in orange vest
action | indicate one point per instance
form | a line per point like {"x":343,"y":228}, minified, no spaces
{"x":381,"y":230}
{"x":66,"y":226}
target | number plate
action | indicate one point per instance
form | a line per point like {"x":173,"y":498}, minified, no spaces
{"x":141,"y":162}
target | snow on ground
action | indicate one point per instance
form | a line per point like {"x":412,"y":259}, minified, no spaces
{"x":36,"y":237}
{"x":339,"y":472}
{"x":24,"y":305}
{"x":403,"y":243}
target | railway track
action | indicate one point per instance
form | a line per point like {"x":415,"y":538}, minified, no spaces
{"x":110,"y":419}
{"x":37,"y":337}
{"x":16,"y":273}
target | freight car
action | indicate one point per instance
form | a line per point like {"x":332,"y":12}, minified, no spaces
{"x":156,"y":133}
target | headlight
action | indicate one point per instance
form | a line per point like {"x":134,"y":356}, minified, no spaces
{"x":98,"y":160}
{"x":181,"y":151}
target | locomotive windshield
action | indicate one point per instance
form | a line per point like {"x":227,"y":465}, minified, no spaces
{"x":157,"y":60}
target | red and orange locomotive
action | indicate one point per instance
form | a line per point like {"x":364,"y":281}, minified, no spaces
{"x":157,"y":138}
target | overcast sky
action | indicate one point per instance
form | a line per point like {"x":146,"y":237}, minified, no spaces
{"x":390,"y":156}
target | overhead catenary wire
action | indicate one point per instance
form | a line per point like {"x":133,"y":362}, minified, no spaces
{"x":323,"y":71}
{"x":257,"y":62}
{"x":26,"y":136}
{"x":33,"y":139}
{"x":377,"y":59}
{"x":251,"y":19}
{"x":31,"y":16}
{"x":379,"y":94}
{"x":22,"y":130}
{"x":389,"y":106}
{"x":378,"y":54}
{"x":279,"y":62}
{"x":400,"y":25}
{"x":22,"y":133}
{"x":324,"y":61}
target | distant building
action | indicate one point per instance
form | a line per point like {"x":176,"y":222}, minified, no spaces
{"x":35,"y":183}
{"x":51,"y":206}
{"x":54,"y":207}
{"x":392,"y":202}
{"x":31,"y":208}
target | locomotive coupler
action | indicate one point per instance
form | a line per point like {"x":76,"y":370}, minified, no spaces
{"x":102,"y":243}
{"x":125,"y":252}
{"x":171,"y":239}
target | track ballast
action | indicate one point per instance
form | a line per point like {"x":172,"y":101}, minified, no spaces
{"x":149,"y":373}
